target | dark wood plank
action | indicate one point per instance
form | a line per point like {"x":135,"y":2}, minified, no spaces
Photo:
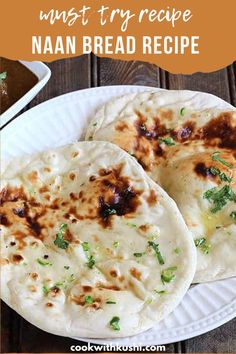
{"x":118,"y":72}
{"x":232,"y":82}
{"x":10,"y":334}
{"x":220,"y":340}
{"x":216,"y":83}
{"x":67,"y":75}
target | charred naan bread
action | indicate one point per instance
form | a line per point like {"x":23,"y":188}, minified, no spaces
{"x":186,"y":142}
{"x":91,"y":246}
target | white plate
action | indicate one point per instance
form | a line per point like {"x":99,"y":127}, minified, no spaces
{"x":63,"y":120}
{"x":43,"y":74}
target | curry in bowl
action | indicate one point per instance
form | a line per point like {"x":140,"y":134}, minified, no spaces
{"x":15,"y":81}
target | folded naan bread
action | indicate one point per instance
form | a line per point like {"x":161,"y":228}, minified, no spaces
{"x":186,"y":142}
{"x":91,"y":246}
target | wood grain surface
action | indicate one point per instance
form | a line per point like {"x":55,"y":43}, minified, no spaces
{"x":17,"y":335}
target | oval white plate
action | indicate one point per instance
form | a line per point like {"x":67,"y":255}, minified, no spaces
{"x":63,"y":120}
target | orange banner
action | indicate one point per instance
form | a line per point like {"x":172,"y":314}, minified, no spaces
{"x":181,"y":36}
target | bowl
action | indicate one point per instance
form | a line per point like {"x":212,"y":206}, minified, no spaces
{"x":43,"y":74}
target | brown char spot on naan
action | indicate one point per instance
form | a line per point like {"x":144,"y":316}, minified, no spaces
{"x":135,"y":273}
{"x":203,"y":171}
{"x":17,"y":258}
{"x":152,"y":198}
{"x":117,"y":195}
{"x":146,"y":141}
{"x":220,"y":132}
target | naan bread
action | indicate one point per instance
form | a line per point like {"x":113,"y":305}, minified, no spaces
{"x":91,"y":246}
{"x":180,"y":139}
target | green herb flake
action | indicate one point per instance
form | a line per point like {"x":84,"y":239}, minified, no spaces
{"x":114,"y":323}
{"x":182,"y":111}
{"x":138,"y":254}
{"x":148,"y":301}
{"x":215,"y":157}
{"x":202,"y":244}
{"x":59,"y":284}
{"x":3,"y":76}
{"x":219,"y":197}
{"x":168,"y":275}
{"x":71,"y":278}
{"x":45,"y":289}
{"x":95,"y":124}
{"x":116,"y":244}
{"x":177,"y":250}
{"x":67,"y":267}
{"x":91,"y":261}
{"x":85,"y":246}
{"x":43,"y":263}
{"x":160,"y":292}
{"x":110,"y":302}
{"x":88,"y":299}
{"x":60,"y":242}
{"x":167,"y":141}
{"x":223,"y":177}
{"x":233,"y":215}
{"x":155,"y":247}
{"x":131,"y":225}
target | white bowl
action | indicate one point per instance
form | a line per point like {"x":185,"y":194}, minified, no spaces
{"x":43,"y":74}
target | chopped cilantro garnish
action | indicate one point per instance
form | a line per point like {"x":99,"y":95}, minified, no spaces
{"x":148,"y":301}
{"x":59,"y":284}
{"x":72,"y":278}
{"x":110,"y":302}
{"x":116,"y":244}
{"x":90,"y":257}
{"x":109,"y":211}
{"x":160,"y":292}
{"x":138,"y":254}
{"x":88,"y":299}
{"x":43,"y":263}
{"x":3,"y":76}
{"x":114,"y":323}
{"x":233,"y":215}
{"x":168,"y":141}
{"x":95,"y":124}
{"x":223,"y":177}
{"x":182,"y":111}
{"x":177,"y":250}
{"x":215,"y":157}
{"x":85,"y":246}
{"x":45,"y":289}
{"x":91,"y":261}
{"x":131,"y":225}
{"x":60,"y":242}
{"x":152,"y":237}
{"x":219,"y":197}
{"x":67,"y":267}
{"x":155,"y":247}
{"x":168,"y":275}
{"x":203,"y":245}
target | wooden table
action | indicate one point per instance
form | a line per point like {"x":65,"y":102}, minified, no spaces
{"x":88,"y":71}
